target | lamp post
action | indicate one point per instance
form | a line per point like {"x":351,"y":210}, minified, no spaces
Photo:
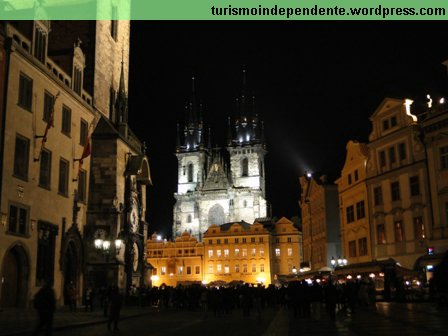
{"x":340,"y":262}
{"x":108,"y":247}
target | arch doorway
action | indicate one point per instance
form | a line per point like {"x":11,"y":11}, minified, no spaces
{"x":14,"y":278}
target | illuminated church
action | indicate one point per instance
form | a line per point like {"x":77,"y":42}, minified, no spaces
{"x":220,"y":185}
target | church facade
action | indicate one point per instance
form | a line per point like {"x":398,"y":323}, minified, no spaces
{"x":220,"y":185}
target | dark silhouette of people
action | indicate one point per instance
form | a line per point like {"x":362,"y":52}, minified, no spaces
{"x":72,"y":293}
{"x":88,"y":299}
{"x":115,"y":302}
{"x":45,"y":304}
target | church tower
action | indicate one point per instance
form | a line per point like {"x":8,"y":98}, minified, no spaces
{"x":220,"y":185}
{"x":247,"y":150}
{"x":192,"y":156}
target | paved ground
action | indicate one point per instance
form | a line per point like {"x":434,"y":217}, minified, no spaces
{"x":387,"y":319}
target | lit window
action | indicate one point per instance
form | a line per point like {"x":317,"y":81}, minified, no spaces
{"x":219,"y":268}
{"x":163,"y":270}
{"x":289,"y":251}
{"x":253,"y":252}
{"x":237,"y":252}
{"x":226,"y":269}
{"x":210,"y":269}
{"x":277,"y":252}
{"x":226,"y":253}
{"x":210,"y":253}
{"x":218,"y":253}
{"x":244,"y":252}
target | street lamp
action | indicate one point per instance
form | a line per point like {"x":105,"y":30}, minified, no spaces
{"x":105,"y":246}
{"x":339,"y":262}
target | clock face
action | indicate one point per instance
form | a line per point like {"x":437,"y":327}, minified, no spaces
{"x":133,"y":217}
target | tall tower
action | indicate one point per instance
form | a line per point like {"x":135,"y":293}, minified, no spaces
{"x":247,"y":150}
{"x":214,"y":187}
{"x":192,"y":158}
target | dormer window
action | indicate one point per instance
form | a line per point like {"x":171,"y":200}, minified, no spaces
{"x":79,"y":62}
{"x":40,"y":42}
{"x":389,"y":123}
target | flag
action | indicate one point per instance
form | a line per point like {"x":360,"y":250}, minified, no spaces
{"x":86,"y":151}
{"x":50,"y":124}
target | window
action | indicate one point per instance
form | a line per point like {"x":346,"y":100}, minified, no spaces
{"x":163,"y":270}
{"x":66,"y":127}
{"x":382,"y":156}
{"x":77,"y":80}
{"x":226,"y":252}
{"x":277,"y":240}
{"x":18,"y":219}
{"x":188,"y":269}
{"x":190,"y":172}
{"x":244,"y":253}
{"x":197,"y":269}
{"x":261,"y":251}
{"x":237,"y":268}
{"x":237,"y":252}
{"x":244,"y":268}
{"x":82,"y":186}
{"x":443,"y":157}
{"x":48,"y":106}
{"x":218,"y":253}
{"x":392,"y":156}
{"x":350,"y":212}
{"x":362,"y":245}
{"x":218,"y":241}
{"x":219,"y":268}
{"x":189,"y":219}
{"x":395,"y":191}
{"x":114,"y":23}
{"x":352,"y":248}
{"x":260,"y":240}
{"x":154,"y":271}
{"x":254,"y":268}
{"x":210,"y":242}
{"x":226,"y":269}
{"x":399,"y":234}
{"x":381,"y":234}
{"x":40,"y":44}
{"x":25,"y":92}
{"x":252,"y":239}
{"x":262,"y":268}
{"x":244,"y":167}
{"x":349,"y":178}
{"x":393,"y":121}
{"x":45,"y":169}
{"x":289,"y":240}
{"x":385,"y":125}
{"x":360,"y":210}
{"x":83,"y":132}
{"x":63,"y":177}
{"x":21,"y":157}
{"x":289,"y":251}
{"x":237,"y":240}
{"x":277,"y":252}
{"x":226,"y":241}
{"x":244,"y":240}
{"x":253,"y":252}
{"x":419,"y":228}
{"x":245,"y":204}
{"x":45,"y":252}
{"x":402,"y":151}
{"x":378,"y":196}
{"x":356,"y":175}
{"x":414,"y":185}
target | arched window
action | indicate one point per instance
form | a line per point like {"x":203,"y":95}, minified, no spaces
{"x":261,"y":168}
{"x":190,"y":172}
{"x":245,"y":167}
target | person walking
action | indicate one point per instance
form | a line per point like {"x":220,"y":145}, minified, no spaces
{"x":45,"y":304}
{"x":116,"y":301}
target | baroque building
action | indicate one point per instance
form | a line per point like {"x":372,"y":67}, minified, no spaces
{"x":67,"y":145}
{"x":320,"y":222}
{"x":237,"y":252}
{"x":354,"y":205}
{"x":217,"y":186}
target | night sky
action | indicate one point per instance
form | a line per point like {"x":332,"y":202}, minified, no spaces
{"x":315,"y":83}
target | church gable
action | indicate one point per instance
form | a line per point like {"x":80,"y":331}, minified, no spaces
{"x":217,"y":178}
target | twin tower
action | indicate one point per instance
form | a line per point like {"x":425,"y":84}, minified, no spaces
{"x":219,"y":185}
